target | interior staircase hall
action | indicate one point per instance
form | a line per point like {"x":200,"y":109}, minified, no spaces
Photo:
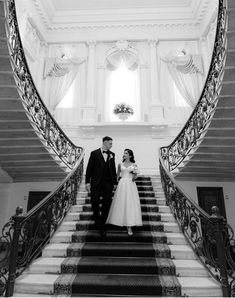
{"x":155,"y":261}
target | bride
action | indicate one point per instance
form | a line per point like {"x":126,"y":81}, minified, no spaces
{"x":125,"y":209}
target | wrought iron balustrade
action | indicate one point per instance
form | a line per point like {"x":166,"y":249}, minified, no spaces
{"x":194,"y":129}
{"x":210,"y":236}
{"x":25,"y":235}
{"x":40,"y":117}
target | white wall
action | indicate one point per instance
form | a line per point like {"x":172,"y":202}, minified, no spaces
{"x":73,"y":116}
{"x":13,"y":195}
{"x":138,"y":138}
{"x":228,"y":190}
{"x":5,"y":199}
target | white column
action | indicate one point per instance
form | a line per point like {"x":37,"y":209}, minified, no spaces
{"x":144,"y":92}
{"x":101,"y":94}
{"x":155,"y":105}
{"x":88,"y":114}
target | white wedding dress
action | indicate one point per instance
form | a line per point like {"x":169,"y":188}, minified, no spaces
{"x":125,"y":209}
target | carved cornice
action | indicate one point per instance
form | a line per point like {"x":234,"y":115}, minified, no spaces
{"x":120,"y":25}
{"x":192,"y":19}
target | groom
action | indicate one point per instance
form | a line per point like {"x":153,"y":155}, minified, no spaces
{"x":100,"y":180}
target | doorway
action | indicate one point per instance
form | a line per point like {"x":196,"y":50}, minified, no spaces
{"x":35,"y":197}
{"x":209,"y":197}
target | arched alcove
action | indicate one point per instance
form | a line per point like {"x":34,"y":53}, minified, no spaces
{"x":122,"y":80}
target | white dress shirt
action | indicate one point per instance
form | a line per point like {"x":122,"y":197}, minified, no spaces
{"x":105,"y":156}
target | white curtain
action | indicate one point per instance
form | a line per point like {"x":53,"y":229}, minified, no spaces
{"x":114,"y":60}
{"x":61,"y":73}
{"x":185,"y":71}
{"x":122,"y":85}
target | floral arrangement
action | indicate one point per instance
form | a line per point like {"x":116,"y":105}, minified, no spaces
{"x":123,"y":108}
{"x":134,"y":170}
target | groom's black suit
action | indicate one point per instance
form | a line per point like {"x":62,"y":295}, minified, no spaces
{"x":102,"y":176}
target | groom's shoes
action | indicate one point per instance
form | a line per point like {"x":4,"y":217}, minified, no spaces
{"x":102,"y":230}
{"x":103,"y":233}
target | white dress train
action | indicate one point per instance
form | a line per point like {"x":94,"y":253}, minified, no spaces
{"x":125,"y":209}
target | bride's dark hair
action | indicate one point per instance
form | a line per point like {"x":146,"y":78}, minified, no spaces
{"x":130,"y":152}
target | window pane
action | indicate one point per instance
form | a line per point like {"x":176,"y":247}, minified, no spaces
{"x":122,"y":86}
{"x":68,"y":100}
{"x":179,"y":100}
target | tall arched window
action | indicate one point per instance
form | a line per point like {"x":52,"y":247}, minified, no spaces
{"x":122,"y":85}
{"x":122,"y":80}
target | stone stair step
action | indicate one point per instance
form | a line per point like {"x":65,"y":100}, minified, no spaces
{"x":144,"y":265}
{"x":85,"y":194}
{"x":36,"y":283}
{"x":182,"y":252}
{"x":190,"y":268}
{"x":46,"y":265}
{"x":190,"y":286}
{"x":200,"y":287}
{"x":72,"y":216}
{"x":177,"y":252}
{"x":116,"y":236}
{"x":57,"y":249}
{"x":151,"y":216}
{"x":144,"y":207}
{"x":103,"y":265}
{"x":146,"y":200}
{"x":147,"y":226}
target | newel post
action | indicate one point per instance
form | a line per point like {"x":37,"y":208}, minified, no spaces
{"x":219,"y":224}
{"x":14,"y":251}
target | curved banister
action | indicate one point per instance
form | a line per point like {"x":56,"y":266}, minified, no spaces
{"x":36,"y":110}
{"x":181,"y":190}
{"x":25,"y":235}
{"x":200,"y":118}
{"x":211,"y":237}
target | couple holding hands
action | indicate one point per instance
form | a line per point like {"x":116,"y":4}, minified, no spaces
{"x":101,"y":177}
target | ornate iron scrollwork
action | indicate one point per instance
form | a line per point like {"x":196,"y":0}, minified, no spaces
{"x":210,"y":236}
{"x":5,"y":242}
{"x":27,"y":235}
{"x":199,"y":120}
{"x":40,"y":117}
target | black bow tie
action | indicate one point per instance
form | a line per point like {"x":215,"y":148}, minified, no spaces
{"x":106,"y":151}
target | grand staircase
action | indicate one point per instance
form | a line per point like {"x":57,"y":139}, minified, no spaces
{"x":28,"y":151}
{"x":213,"y":157}
{"x":155,"y":261}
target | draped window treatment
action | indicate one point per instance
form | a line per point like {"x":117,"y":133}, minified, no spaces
{"x":61,"y":73}
{"x":128,"y":58}
{"x":185,"y":71}
{"x":122,"y":82}
{"x":122,"y":85}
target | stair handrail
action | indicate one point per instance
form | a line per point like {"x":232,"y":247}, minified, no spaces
{"x":199,"y":120}
{"x":40,"y":117}
{"x":210,"y":236}
{"x":25,"y":235}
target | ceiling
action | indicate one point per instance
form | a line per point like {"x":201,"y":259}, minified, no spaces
{"x":117,"y":4}
{"x":70,"y":14}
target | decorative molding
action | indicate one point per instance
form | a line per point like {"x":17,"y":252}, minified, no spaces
{"x":31,"y":40}
{"x":122,"y":25}
{"x":91,"y":44}
{"x":142,"y":18}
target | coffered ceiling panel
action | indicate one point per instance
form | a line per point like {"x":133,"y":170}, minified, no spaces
{"x":117,"y":4}
{"x":85,"y":17}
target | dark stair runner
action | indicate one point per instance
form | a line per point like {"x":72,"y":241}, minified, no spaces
{"x":119,"y":264}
